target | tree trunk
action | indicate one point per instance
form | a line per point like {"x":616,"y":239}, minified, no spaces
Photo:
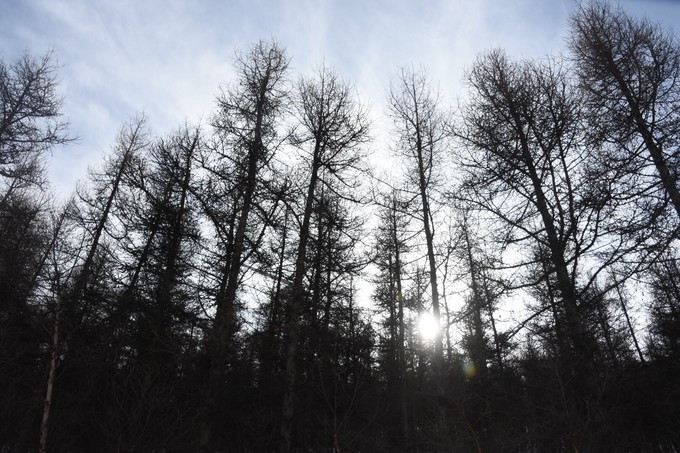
{"x":297,"y":300}
{"x":622,"y":301}
{"x":489,"y":307}
{"x":44,"y":425}
{"x":400,"y":340}
{"x":477,"y":352}
{"x":273,"y":322}
{"x":136,"y":132}
{"x":654,"y":149}
{"x":564,"y":281}
{"x":225,"y":312}
{"x":168,"y":280}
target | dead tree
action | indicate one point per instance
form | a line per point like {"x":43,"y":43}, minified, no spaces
{"x":332,"y":128}
{"x":629,"y":72}
{"x":423,"y":133}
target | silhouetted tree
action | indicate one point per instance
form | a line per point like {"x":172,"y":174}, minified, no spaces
{"x":524,"y":131}
{"x":629,"y":72}
{"x":30,"y":121}
{"x":389,"y":295}
{"x":332,"y":128}
{"x":94,"y":217}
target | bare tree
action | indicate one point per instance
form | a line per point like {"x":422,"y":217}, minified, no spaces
{"x":391,"y":246}
{"x":477,"y":342}
{"x":31,"y":124}
{"x":246,"y":134}
{"x":30,"y":120}
{"x":131,"y":139}
{"x":522,"y":128}
{"x":629,"y":71}
{"x":332,"y":128}
{"x":247,"y":122}
{"x":422,"y":135}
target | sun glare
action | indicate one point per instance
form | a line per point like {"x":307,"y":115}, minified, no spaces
{"x":427,"y":326}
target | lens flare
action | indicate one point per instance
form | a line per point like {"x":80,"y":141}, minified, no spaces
{"x":470,"y":370}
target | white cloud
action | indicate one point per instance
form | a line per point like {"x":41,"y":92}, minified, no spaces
{"x":168,"y":58}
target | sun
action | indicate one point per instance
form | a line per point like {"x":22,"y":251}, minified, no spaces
{"x":428,"y":327}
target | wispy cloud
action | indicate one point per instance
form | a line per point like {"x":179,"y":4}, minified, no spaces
{"x":168,"y":58}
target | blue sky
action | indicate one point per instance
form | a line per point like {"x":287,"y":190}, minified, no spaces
{"x":168,"y":58}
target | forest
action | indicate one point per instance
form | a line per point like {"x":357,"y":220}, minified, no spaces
{"x":254,"y":283}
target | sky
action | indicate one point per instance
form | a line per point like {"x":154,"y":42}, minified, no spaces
{"x":168,"y":58}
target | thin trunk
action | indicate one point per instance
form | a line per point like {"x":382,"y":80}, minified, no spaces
{"x":478,"y":354}
{"x":564,"y":281}
{"x":654,"y":149}
{"x":225,"y":307}
{"x":325,"y":328}
{"x":447,"y":334}
{"x":144,"y":256}
{"x":220,"y":308}
{"x":604,"y":325}
{"x":316,"y":285}
{"x":439,"y":355}
{"x":329,"y":292}
{"x":297,"y":300}
{"x":630,"y":324}
{"x":438,"y":365}
{"x":557,"y":318}
{"x":392,"y":326}
{"x":169,"y":276}
{"x":447,"y":313}
{"x":168,"y":279}
{"x":422,"y":188}
{"x":674,"y":288}
{"x":125,"y":159}
{"x":350,"y":356}
{"x":272,"y":326}
{"x":400,"y":301}
{"x":120,"y":315}
{"x":49,"y":248}
{"x":496,"y":338}
{"x":81,"y":280}
{"x":44,"y":425}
